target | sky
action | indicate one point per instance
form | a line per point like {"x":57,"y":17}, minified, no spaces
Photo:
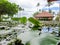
{"x":30,"y":6}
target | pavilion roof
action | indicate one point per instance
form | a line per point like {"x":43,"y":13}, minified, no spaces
{"x":44,"y":14}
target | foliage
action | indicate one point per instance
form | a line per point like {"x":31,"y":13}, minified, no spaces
{"x":7,"y":8}
{"x":23,"y":20}
{"x":20,"y":9}
{"x":35,"y":27}
{"x":16,"y":42}
{"x":28,"y":43}
{"x":44,"y":39}
{"x":50,"y":11}
{"x":15,"y":19}
{"x":49,"y":3}
{"x":38,"y":4}
{"x":57,"y":18}
{"x":34,"y":21}
{"x":5,"y":17}
{"x":3,"y":0}
{"x":36,"y":13}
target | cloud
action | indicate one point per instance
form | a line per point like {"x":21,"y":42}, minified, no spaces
{"x":54,"y":6}
{"x":30,"y":6}
{"x":29,"y":3}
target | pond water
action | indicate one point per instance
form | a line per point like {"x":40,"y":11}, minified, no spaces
{"x":29,"y":35}
{"x":51,"y":29}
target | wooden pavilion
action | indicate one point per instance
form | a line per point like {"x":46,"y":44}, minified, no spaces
{"x":44,"y":16}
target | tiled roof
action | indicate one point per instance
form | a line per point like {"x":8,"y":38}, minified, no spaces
{"x":44,"y":14}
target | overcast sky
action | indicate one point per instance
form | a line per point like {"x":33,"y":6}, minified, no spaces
{"x":30,"y":5}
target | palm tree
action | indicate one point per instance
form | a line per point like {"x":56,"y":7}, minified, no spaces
{"x":49,"y":3}
{"x":38,"y":4}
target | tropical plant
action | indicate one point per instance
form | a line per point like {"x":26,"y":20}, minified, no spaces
{"x":44,"y":39}
{"x":38,"y":4}
{"x":49,"y":3}
{"x":36,"y":23}
{"x":7,"y":8}
{"x":20,"y":8}
{"x":23,"y":20}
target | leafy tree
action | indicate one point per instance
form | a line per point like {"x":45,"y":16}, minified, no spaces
{"x":20,"y":8}
{"x":7,"y":8}
{"x":3,"y":0}
{"x":49,"y":3}
{"x":38,"y":4}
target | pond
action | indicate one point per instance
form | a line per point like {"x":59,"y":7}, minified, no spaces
{"x":51,"y":29}
{"x":30,"y":34}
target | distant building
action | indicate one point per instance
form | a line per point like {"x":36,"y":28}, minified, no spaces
{"x":44,"y":16}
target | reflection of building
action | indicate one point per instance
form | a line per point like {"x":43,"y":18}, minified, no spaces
{"x":44,"y":16}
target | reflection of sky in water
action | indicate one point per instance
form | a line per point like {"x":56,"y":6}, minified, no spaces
{"x":45,"y":29}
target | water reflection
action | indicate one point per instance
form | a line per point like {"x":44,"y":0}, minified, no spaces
{"x":51,"y":29}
